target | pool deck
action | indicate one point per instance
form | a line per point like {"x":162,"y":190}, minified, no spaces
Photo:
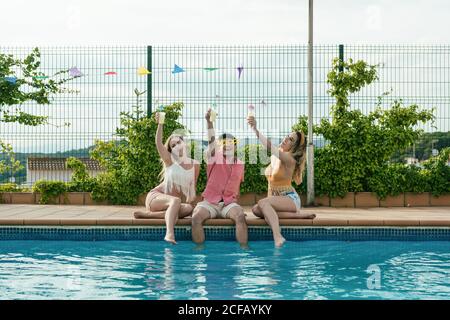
{"x":78,"y":215}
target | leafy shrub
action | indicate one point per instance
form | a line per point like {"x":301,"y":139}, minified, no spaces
{"x":49,"y":189}
{"x":359,"y":146}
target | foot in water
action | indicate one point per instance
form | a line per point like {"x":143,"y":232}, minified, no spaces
{"x":279,"y":242}
{"x":170,"y":238}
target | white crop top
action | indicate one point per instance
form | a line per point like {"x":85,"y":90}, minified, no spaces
{"x":175,"y":176}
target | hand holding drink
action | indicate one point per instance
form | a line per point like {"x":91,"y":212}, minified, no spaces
{"x":160,"y":115}
{"x":213,"y":113}
{"x":251,"y":111}
{"x":251,"y":116}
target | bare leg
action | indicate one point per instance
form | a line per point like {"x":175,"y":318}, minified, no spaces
{"x":170,"y":207}
{"x":284,"y":214}
{"x":198,"y":218}
{"x":149,"y":214}
{"x":271,"y":217}
{"x":295,"y":215}
{"x":185,"y":210}
{"x":238,"y":216}
{"x":257,"y":211}
{"x":171,"y":219}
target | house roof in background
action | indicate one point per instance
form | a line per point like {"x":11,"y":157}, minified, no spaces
{"x":59,"y":164}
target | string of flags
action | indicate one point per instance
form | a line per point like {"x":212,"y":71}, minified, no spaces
{"x":141,"y":71}
{"x":75,"y":72}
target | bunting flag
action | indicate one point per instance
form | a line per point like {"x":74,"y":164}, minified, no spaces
{"x":11,"y":80}
{"x":143,"y":71}
{"x":75,"y":72}
{"x":240,"y":69}
{"x":177,"y":69}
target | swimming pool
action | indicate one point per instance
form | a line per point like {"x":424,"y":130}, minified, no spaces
{"x":315,"y":269}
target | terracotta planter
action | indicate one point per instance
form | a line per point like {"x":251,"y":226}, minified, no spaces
{"x":393,"y":201}
{"x":52,"y":200}
{"x":303,"y":199}
{"x":141,"y":199}
{"x":74,"y":198}
{"x":22,"y":198}
{"x":417,"y":199}
{"x":322,"y":201}
{"x":442,"y":200}
{"x":5,"y":197}
{"x":259,"y":196}
{"x":90,"y":202}
{"x":247,"y":199}
{"x":366,"y":199}
{"x":348,"y":201}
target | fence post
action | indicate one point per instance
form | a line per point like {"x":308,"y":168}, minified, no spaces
{"x":310,"y":194}
{"x":341,"y":56}
{"x":149,"y":81}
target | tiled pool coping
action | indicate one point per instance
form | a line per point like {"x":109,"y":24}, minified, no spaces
{"x":117,"y":222}
{"x":223,"y":233}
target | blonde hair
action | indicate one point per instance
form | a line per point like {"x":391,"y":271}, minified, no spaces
{"x":169,"y":148}
{"x":298,"y":151}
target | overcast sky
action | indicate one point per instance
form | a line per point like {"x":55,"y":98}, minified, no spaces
{"x":56,"y":22}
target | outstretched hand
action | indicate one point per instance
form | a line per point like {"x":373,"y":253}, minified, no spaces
{"x":251,"y":122}
{"x":208,"y":115}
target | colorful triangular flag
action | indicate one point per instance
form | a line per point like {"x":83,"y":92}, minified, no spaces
{"x":210,"y":69}
{"x":75,"y":72}
{"x":177,"y":69}
{"x":142,"y":71}
{"x":40,"y":77}
{"x":110,"y":73}
{"x":240,"y":69}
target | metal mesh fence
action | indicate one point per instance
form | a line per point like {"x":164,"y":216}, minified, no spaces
{"x":272,"y":78}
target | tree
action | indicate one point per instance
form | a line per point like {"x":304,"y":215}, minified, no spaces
{"x":21,"y":81}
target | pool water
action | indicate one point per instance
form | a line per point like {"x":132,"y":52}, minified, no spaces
{"x":223,"y":270}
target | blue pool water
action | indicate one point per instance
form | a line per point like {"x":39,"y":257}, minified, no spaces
{"x":222,"y":270}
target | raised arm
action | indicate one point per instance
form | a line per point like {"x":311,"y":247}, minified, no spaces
{"x":274,"y":150}
{"x":163,"y":152}
{"x":210,"y":151}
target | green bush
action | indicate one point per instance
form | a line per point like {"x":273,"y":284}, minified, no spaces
{"x":355,"y":158}
{"x":438,"y":173}
{"x":132,"y":163}
{"x":81,"y":181}
{"x":9,"y":187}
{"x":49,"y":189}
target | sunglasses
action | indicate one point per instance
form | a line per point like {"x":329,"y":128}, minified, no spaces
{"x":228,"y":141}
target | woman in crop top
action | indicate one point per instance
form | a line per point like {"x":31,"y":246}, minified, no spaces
{"x":287,"y":163}
{"x":172,"y":198}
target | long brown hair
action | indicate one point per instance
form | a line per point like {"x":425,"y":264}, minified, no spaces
{"x":298,"y":151}
{"x":169,"y":148}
